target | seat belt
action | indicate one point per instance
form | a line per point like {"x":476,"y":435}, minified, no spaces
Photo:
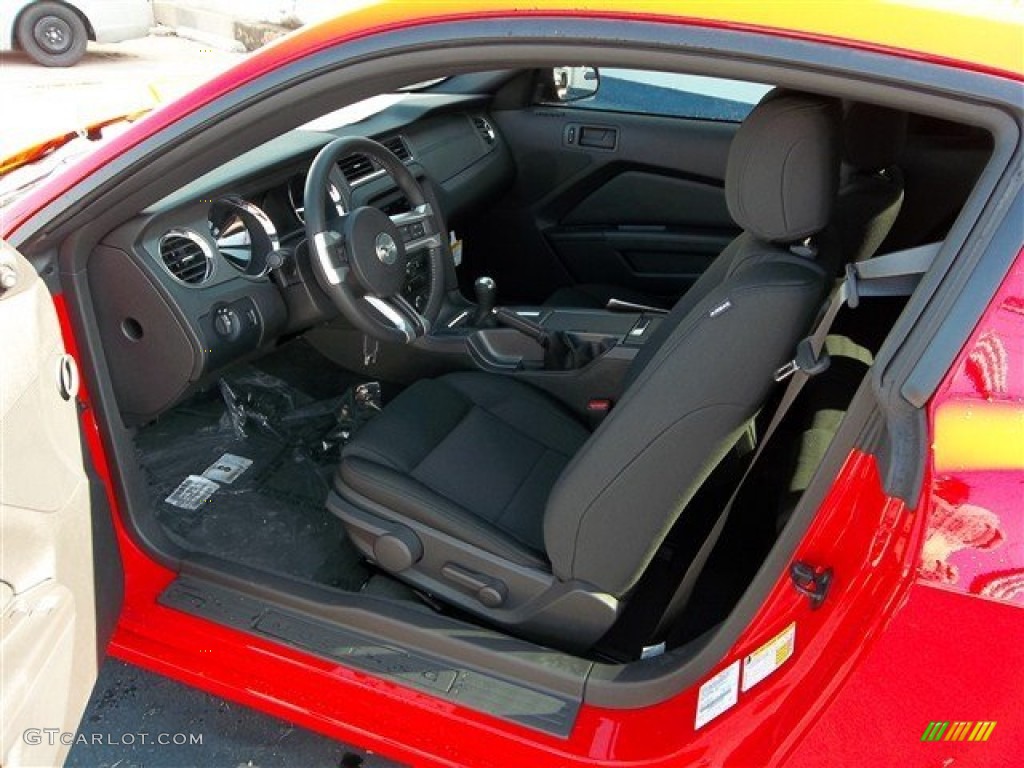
{"x":894,"y":274}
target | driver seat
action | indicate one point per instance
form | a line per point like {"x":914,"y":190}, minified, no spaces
{"x":485,"y":493}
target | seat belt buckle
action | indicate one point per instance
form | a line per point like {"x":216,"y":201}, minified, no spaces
{"x":804,"y":360}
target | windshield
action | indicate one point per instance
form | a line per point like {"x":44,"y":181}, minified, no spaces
{"x":24,"y":174}
{"x":353,"y":113}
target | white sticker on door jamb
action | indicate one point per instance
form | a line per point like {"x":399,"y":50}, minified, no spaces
{"x":718,"y":694}
{"x":769,"y":657}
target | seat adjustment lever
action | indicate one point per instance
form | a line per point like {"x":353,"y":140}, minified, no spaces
{"x":490,"y":592}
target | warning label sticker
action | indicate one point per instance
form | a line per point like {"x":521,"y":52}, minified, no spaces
{"x":193,"y":492}
{"x":769,"y":657}
{"x":227,"y":468}
{"x":718,"y":694}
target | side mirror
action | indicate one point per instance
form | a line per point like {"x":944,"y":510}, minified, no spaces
{"x":574,"y":83}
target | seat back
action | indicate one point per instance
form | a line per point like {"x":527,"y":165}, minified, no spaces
{"x":871,"y":192}
{"x":704,"y":374}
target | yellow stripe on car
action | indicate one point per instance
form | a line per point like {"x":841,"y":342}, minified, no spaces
{"x":978,"y":435}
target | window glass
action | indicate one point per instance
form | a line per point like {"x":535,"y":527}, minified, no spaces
{"x":673,"y":95}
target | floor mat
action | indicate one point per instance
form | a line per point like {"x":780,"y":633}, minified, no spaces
{"x":252,"y":487}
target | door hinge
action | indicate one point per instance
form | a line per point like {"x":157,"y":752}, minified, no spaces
{"x":810,"y":581}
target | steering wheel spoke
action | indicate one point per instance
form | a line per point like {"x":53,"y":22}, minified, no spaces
{"x":401,"y":315}
{"x":329,"y":248}
{"x":418,"y":228}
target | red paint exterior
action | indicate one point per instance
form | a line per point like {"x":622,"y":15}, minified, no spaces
{"x":887,"y":653}
{"x":948,"y":654}
{"x":371,"y":712}
{"x":977,"y":513}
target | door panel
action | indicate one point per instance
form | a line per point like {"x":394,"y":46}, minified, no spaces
{"x":645,"y":231}
{"x":659,"y":261}
{"x":48,"y":637}
{"x":647,"y":198}
{"x":644,"y":209}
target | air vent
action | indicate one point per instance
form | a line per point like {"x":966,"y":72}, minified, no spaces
{"x":398,"y":147}
{"x":484,"y":129}
{"x":355,"y":167}
{"x":186,"y":256}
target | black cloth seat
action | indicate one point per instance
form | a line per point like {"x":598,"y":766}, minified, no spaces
{"x":871,"y":193}
{"x":487,"y":494}
{"x":475,"y":455}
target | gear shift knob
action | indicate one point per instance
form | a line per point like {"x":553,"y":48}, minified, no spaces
{"x":486,"y":297}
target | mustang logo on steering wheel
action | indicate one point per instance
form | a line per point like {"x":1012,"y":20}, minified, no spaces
{"x":387,"y":251}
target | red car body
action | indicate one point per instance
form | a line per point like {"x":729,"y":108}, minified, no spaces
{"x":924,"y":621}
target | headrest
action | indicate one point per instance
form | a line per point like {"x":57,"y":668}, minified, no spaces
{"x":873,"y":136}
{"x":783,"y":170}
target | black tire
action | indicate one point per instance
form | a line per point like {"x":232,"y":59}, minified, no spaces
{"x":52,"y":34}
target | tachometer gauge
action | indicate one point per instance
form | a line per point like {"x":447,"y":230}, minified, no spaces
{"x":245,"y":235}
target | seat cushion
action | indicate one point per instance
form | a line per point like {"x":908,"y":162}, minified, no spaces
{"x":473,"y":455}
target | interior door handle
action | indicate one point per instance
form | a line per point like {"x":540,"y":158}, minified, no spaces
{"x":592,"y":136}
{"x":598,"y":137}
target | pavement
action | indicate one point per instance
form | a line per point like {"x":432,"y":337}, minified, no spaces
{"x":41,"y":102}
{"x":193,"y":41}
{"x":132,"y":710}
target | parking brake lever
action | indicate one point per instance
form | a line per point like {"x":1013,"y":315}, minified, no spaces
{"x":561,"y":351}
{"x":618,"y":305}
{"x":529,"y":328}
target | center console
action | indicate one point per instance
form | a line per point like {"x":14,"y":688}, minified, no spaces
{"x":581,"y":336}
{"x":580,"y":356}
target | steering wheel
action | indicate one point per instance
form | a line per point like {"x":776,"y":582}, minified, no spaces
{"x":360,"y":257}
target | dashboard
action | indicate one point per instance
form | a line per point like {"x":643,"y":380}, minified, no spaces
{"x":220,"y":270}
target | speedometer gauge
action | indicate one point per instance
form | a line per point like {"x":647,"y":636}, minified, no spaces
{"x":245,"y":235}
